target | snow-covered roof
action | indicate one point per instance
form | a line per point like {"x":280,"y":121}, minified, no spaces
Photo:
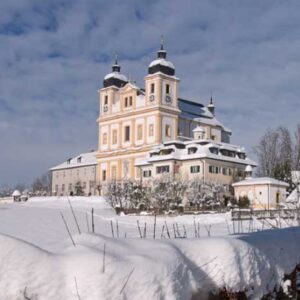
{"x":202,"y":151}
{"x":163,"y":62}
{"x":261,"y":180}
{"x":116,"y":75}
{"x":81,"y":160}
{"x":16,"y":193}
{"x":248,"y":169}
{"x":200,"y":113}
{"x":199,"y":129}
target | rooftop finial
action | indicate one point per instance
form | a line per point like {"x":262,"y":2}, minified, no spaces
{"x":116,"y":67}
{"x":162,"y":42}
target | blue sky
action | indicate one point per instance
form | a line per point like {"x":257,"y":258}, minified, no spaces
{"x":54,"y":55}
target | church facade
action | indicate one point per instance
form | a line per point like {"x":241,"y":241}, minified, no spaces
{"x":146,"y":132}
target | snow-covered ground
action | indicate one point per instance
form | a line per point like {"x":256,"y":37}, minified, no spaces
{"x":39,"y":261}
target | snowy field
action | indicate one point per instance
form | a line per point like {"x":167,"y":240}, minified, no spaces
{"x":39,"y":260}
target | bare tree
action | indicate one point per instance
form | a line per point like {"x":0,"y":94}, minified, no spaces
{"x":42,"y":185}
{"x":296,"y":160}
{"x":276,"y":155}
{"x":267,"y":152}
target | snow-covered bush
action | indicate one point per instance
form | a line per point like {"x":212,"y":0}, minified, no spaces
{"x":167,"y":191}
{"x":205,"y":194}
{"x":128,"y":194}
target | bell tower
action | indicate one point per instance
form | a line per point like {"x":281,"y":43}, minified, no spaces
{"x":161,"y":91}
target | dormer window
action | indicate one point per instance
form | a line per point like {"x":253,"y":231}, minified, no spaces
{"x":69,"y":161}
{"x":214,"y":150}
{"x":192,"y":150}
{"x":79,"y":159}
{"x":241,"y":155}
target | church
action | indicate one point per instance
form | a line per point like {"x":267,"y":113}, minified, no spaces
{"x":149,"y":131}
{"x":145,"y":132}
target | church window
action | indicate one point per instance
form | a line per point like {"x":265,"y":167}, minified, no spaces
{"x":104,"y":139}
{"x":126,"y":101}
{"x":130,"y":101}
{"x":168,"y":131}
{"x":103,"y":175}
{"x":113,"y":172}
{"x":152,"y":88}
{"x":105,"y":100}
{"x":127,"y":133}
{"x":114,"y":136}
{"x":140,"y":132}
{"x":151,"y":130}
{"x":167,"y":89}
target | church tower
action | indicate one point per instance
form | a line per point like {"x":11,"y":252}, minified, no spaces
{"x":161,"y":91}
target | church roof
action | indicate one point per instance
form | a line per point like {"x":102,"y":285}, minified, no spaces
{"x":198,"y":112}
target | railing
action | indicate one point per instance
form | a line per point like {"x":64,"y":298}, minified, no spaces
{"x":248,"y":214}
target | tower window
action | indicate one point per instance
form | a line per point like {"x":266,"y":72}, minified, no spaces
{"x":168,"y":131}
{"x":126,"y":102}
{"x":127,"y":133}
{"x":114,"y":136}
{"x":152,"y":88}
{"x":130,"y":101}
{"x":104,"y":138}
{"x":151,"y":130}
{"x":140,"y":132}
{"x":167,"y":89}
{"x":105,"y":100}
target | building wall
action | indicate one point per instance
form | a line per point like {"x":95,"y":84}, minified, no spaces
{"x":262,"y":196}
{"x":64,"y":180}
{"x":147,"y":121}
{"x":183,"y":170}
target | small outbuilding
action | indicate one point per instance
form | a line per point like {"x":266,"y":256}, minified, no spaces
{"x":16,"y":196}
{"x":263,"y":192}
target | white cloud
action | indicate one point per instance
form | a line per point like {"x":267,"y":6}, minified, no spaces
{"x":54,"y":55}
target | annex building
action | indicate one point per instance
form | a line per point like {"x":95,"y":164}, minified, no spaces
{"x":148,"y":131}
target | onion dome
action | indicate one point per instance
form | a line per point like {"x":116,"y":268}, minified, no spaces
{"x":160,"y":64}
{"x":115,"y":77}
